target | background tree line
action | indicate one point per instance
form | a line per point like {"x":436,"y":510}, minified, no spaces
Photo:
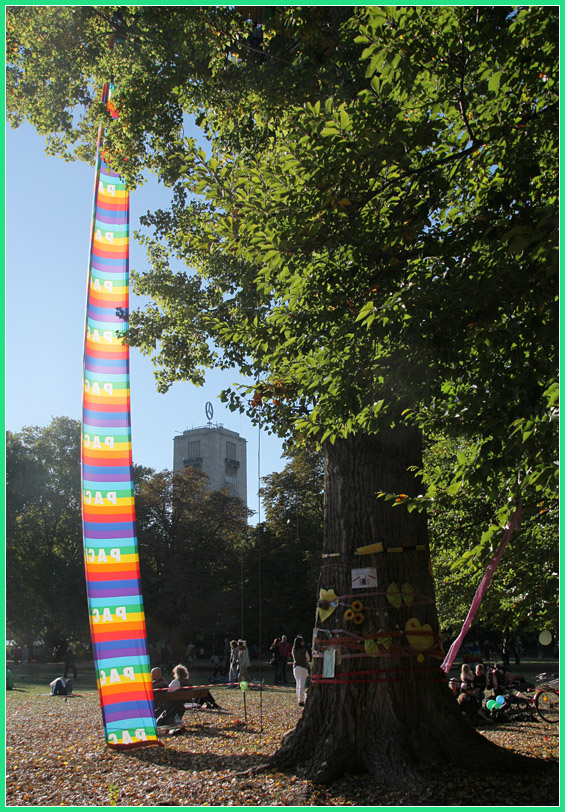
{"x":207,"y":573}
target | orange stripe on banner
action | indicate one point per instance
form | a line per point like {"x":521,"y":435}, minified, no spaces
{"x":119,"y":252}
{"x":124,"y":693}
{"x":113,"y":403}
{"x":89,"y":459}
{"x":118,"y":298}
{"x":95,"y":350}
{"x":104,"y":397}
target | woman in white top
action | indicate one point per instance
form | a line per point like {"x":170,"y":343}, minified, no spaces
{"x":300,"y":660}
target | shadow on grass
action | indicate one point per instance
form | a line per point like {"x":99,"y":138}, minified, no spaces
{"x":189,"y":761}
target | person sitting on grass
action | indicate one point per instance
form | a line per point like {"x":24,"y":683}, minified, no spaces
{"x":480,"y":681}
{"x":470,"y":705}
{"x":61,"y":686}
{"x":467,"y":674}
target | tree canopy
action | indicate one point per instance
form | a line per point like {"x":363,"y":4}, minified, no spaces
{"x":373,"y":226}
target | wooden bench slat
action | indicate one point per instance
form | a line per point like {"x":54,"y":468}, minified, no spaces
{"x":164,"y":696}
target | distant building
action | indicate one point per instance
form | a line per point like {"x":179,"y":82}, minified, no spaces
{"x":219,"y":453}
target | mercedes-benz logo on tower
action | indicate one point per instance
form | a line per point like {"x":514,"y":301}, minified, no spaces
{"x":209,"y":411}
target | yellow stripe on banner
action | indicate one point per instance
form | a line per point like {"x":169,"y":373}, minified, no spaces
{"x":116,"y":677}
{"x":117,"y":622}
{"x":104,"y":243}
{"x":121,"y":501}
{"x":101,"y":566}
{"x":108,"y":197}
{"x":117,"y":292}
{"x":369,"y":548}
{"x":117,"y":450}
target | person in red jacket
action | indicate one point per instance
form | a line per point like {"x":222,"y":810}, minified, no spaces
{"x":285,"y":650}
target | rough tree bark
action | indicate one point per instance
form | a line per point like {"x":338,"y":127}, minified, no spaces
{"x":396,"y":712}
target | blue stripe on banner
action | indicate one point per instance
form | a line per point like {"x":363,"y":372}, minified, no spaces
{"x":115,"y":661}
{"x":133,"y":719}
{"x":101,"y":470}
{"x":127,"y":600}
{"x":119,"y":648}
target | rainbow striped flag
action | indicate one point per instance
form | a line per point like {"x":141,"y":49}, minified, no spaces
{"x":117,"y":620}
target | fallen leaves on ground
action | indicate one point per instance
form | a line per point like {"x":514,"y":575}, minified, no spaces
{"x":56,"y":756}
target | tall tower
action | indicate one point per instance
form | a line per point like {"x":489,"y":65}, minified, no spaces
{"x":216,"y":451}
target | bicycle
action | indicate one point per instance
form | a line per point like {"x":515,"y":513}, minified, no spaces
{"x":545,"y":699}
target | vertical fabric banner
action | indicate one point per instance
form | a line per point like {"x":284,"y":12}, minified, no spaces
{"x":117,"y":620}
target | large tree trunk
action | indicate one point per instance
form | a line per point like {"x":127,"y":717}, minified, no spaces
{"x":384,"y":712}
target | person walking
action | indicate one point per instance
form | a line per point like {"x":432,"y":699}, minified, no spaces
{"x":301,"y":661}
{"x":69,"y":661}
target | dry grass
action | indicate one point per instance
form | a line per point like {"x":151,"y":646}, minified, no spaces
{"x":56,"y":757}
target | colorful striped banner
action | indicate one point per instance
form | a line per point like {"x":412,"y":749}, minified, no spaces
{"x":117,"y":620}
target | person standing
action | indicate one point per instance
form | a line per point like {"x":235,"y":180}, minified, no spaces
{"x":234,"y":662}
{"x":285,"y":650}
{"x":517,"y":650}
{"x":300,"y":660}
{"x":242,"y":659}
{"x":506,"y":646}
{"x":227,"y":655}
{"x":276,"y":659}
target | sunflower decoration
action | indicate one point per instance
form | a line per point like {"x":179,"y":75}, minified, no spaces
{"x":357,"y":606}
{"x":349,"y":614}
{"x":358,"y":618}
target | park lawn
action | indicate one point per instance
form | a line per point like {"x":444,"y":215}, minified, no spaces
{"x":56,"y":756}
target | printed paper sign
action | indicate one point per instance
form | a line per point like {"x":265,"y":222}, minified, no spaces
{"x":328,"y":670}
{"x":363,"y":578}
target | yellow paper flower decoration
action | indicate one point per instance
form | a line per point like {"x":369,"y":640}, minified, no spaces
{"x":358,"y":618}
{"x":357,"y":606}
{"x":349,"y":613}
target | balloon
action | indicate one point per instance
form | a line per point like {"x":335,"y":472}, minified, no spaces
{"x":545,"y":637}
{"x":243,"y":685}
{"x":500,"y":700}
{"x":491,"y":704}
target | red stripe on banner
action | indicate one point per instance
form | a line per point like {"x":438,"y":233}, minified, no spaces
{"x":112,"y":575}
{"x":105,"y":407}
{"x":128,"y":631}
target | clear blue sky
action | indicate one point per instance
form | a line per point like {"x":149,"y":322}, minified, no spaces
{"x":48,"y":215}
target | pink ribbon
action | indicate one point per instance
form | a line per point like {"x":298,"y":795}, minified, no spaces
{"x":454,"y":648}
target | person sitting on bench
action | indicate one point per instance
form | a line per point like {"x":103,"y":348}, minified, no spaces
{"x":165,"y":713}
{"x":180,"y":680}
{"x":157,"y":679}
